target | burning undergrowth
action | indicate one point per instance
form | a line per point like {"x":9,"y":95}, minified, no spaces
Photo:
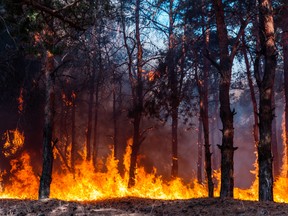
{"x":87,"y":183}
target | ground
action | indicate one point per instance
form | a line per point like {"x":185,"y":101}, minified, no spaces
{"x":138,"y":207}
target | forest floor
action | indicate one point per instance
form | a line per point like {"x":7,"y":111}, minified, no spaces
{"x":138,"y":207}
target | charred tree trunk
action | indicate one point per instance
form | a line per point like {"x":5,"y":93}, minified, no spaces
{"x":137,"y":100}
{"x":90,"y":116}
{"x":252,"y":93}
{"x":174,"y":97}
{"x":200,"y":152}
{"x":204,"y":111}
{"x":226,"y":115}
{"x":174,"y":171}
{"x":117,"y":105}
{"x":46,"y":176}
{"x":275,"y":154}
{"x":115,"y":123}
{"x":73,"y":131}
{"x":95,"y":139}
{"x":135,"y":149}
{"x":268,"y":50}
{"x":285,"y":54}
{"x":97,"y":92}
{"x":227,"y":148}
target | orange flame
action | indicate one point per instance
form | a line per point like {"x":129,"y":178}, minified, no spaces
{"x":86,"y":184}
{"x":14,"y":141}
{"x":20,"y":101}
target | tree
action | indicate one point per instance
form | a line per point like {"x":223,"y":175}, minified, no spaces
{"x":265,"y":84}
{"x":226,"y":114}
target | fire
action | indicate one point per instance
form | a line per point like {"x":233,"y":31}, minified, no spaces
{"x":20,"y":101}
{"x":14,"y":141}
{"x":86,"y":184}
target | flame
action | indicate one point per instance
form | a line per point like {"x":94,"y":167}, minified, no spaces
{"x":14,"y":141}
{"x":20,"y":101}
{"x":86,"y":184}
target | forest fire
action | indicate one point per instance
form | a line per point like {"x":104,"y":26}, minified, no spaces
{"x":85,"y":184}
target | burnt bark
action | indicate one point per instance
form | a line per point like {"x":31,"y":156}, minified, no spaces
{"x":266,"y":84}
{"x":46,"y":175}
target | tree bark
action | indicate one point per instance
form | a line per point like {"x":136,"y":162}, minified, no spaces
{"x":204,"y":110}
{"x":90,"y":115}
{"x":73,"y":131}
{"x":137,"y":100}
{"x":252,"y":93}
{"x":174,"y":170}
{"x":285,"y":55}
{"x":200,"y":152}
{"x":268,"y":50}
{"x":226,"y":115}
{"x":275,"y":154}
{"x":95,"y":139}
{"x":46,"y":176}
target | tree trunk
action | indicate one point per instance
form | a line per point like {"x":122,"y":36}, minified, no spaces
{"x":90,"y":116}
{"x":95,"y":139}
{"x":275,"y":154}
{"x":227,"y":149}
{"x":226,"y":115}
{"x":204,"y":111}
{"x":285,"y":55}
{"x":137,"y":100}
{"x":135,"y":149}
{"x":174,"y":170}
{"x":200,"y":152}
{"x":268,"y":50}
{"x":115,"y":124}
{"x":73,"y":131}
{"x":46,"y":176}
{"x":117,"y":104}
{"x":252,"y":93}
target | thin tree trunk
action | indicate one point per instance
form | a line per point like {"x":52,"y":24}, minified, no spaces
{"x":95,"y":139}
{"x":204,"y":111}
{"x":90,"y":115}
{"x":73,"y":131}
{"x":137,"y":100}
{"x":172,"y":76}
{"x":174,"y":171}
{"x":200,"y":152}
{"x":46,"y":176}
{"x":97,"y":92}
{"x":116,"y":113}
{"x":285,"y":55}
{"x":268,"y":50}
{"x":115,"y":123}
{"x":252,"y":93}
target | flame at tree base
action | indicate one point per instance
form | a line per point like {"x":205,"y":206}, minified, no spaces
{"x":86,"y":184}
